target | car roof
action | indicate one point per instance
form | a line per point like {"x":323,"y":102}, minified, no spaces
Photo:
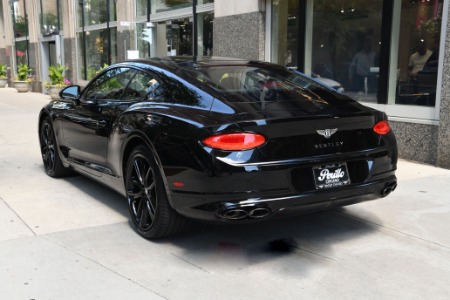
{"x":177,"y":62}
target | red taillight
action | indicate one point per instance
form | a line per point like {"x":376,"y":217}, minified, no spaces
{"x":382,"y":127}
{"x":235,"y":141}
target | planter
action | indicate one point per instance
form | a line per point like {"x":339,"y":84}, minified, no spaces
{"x":53,"y":91}
{"x":3,"y":82}
{"x":22,"y":86}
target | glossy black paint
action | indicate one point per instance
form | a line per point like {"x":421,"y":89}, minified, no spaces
{"x":95,"y":137}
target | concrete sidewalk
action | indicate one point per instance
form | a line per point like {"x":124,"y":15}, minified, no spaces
{"x":70,"y":239}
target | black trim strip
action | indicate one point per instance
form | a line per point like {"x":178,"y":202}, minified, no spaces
{"x":385,"y":49}
{"x":301,"y":44}
{"x":194,"y":28}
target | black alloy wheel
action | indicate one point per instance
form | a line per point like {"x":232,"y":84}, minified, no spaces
{"x":150,"y":211}
{"x":49,"y":150}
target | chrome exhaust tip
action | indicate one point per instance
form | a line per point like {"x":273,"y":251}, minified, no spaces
{"x":234,"y":214}
{"x":389,"y":188}
{"x":259,"y":213}
{"x":231,"y":211}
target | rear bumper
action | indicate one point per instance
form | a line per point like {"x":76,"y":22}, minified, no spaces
{"x":225,"y":209}
{"x":242,"y":194}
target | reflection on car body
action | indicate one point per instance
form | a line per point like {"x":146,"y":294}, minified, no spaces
{"x":219,"y":140}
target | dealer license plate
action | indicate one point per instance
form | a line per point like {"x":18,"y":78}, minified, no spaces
{"x":331,"y":176}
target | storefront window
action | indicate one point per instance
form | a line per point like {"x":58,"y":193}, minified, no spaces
{"x":205,"y":34}
{"x":418,"y":52}
{"x":146,"y":42}
{"x":49,"y":17}
{"x":20,"y":18}
{"x":99,"y":11}
{"x":378,"y":51}
{"x":20,"y":27}
{"x":96,"y":47}
{"x":285,"y":32}
{"x":22,"y":52}
{"x":346,"y":39}
{"x":166,"y":5}
{"x":141,"y":7}
{"x":179,"y":37}
{"x":174,"y":36}
{"x":97,"y":51}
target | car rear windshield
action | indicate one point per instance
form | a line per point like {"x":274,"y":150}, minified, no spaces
{"x":262,"y":83}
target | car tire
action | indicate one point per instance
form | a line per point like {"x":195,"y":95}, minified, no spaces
{"x":150,"y":210}
{"x":49,"y":150}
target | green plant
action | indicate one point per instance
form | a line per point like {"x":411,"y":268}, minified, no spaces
{"x":3,"y":69}
{"x":92,"y":71}
{"x":23,"y":71}
{"x":56,"y":74}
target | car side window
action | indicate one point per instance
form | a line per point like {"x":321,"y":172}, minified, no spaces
{"x":170,"y":90}
{"x":110,"y":85}
{"x":141,"y":85}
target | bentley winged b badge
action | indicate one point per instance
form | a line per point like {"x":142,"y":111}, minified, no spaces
{"x":327,"y":133}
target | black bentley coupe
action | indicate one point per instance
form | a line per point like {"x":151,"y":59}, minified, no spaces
{"x":217,"y":139}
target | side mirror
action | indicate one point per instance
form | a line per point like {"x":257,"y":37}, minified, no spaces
{"x":70,"y":93}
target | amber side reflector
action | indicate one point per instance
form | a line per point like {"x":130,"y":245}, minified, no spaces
{"x":382,"y":127}
{"x":235,"y":141}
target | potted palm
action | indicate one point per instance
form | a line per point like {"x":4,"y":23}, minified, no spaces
{"x":22,"y":81}
{"x":3,"y":78}
{"x":57,"y":81}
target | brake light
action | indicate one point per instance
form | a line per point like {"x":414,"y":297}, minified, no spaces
{"x":382,"y":127}
{"x":235,"y":141}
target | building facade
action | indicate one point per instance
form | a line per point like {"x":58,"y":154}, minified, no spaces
{"x":391,"y":55}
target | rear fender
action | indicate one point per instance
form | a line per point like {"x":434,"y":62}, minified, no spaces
{"x":134,"y":139}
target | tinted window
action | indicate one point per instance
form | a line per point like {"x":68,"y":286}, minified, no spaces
{"x":261,"y":83}
{"x":110,"y":85}
{"x":175,"y":90}
{"x":141,"y":85}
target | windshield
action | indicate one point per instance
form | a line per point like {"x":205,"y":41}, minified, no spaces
{"x":261,"y":83}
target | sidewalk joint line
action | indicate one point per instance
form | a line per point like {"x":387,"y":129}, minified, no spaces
{"x":18,"y":216}
{"x":101,"y":265}
{"x":192,"y":264}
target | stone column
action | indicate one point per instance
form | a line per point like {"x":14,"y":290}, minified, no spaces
{"x":443,"y":141}
{"x":6,"y":38}
{"x":33,"y":44}
{"x":68,"y":19}
{"x":239,"y":29}
{"x":125,"y":18}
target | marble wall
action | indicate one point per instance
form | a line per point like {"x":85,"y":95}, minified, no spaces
{"x":241,"y":36}
{"x":443,"y":141}
{"x":416,"y":142}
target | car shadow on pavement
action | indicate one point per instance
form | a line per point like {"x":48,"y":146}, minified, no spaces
{"x":99,"y":192}
{"x":311,"y":236}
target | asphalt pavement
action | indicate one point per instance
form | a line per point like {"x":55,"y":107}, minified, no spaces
{"x":71,"y":239}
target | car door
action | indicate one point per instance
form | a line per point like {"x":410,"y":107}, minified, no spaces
{"x":87,"y":126}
